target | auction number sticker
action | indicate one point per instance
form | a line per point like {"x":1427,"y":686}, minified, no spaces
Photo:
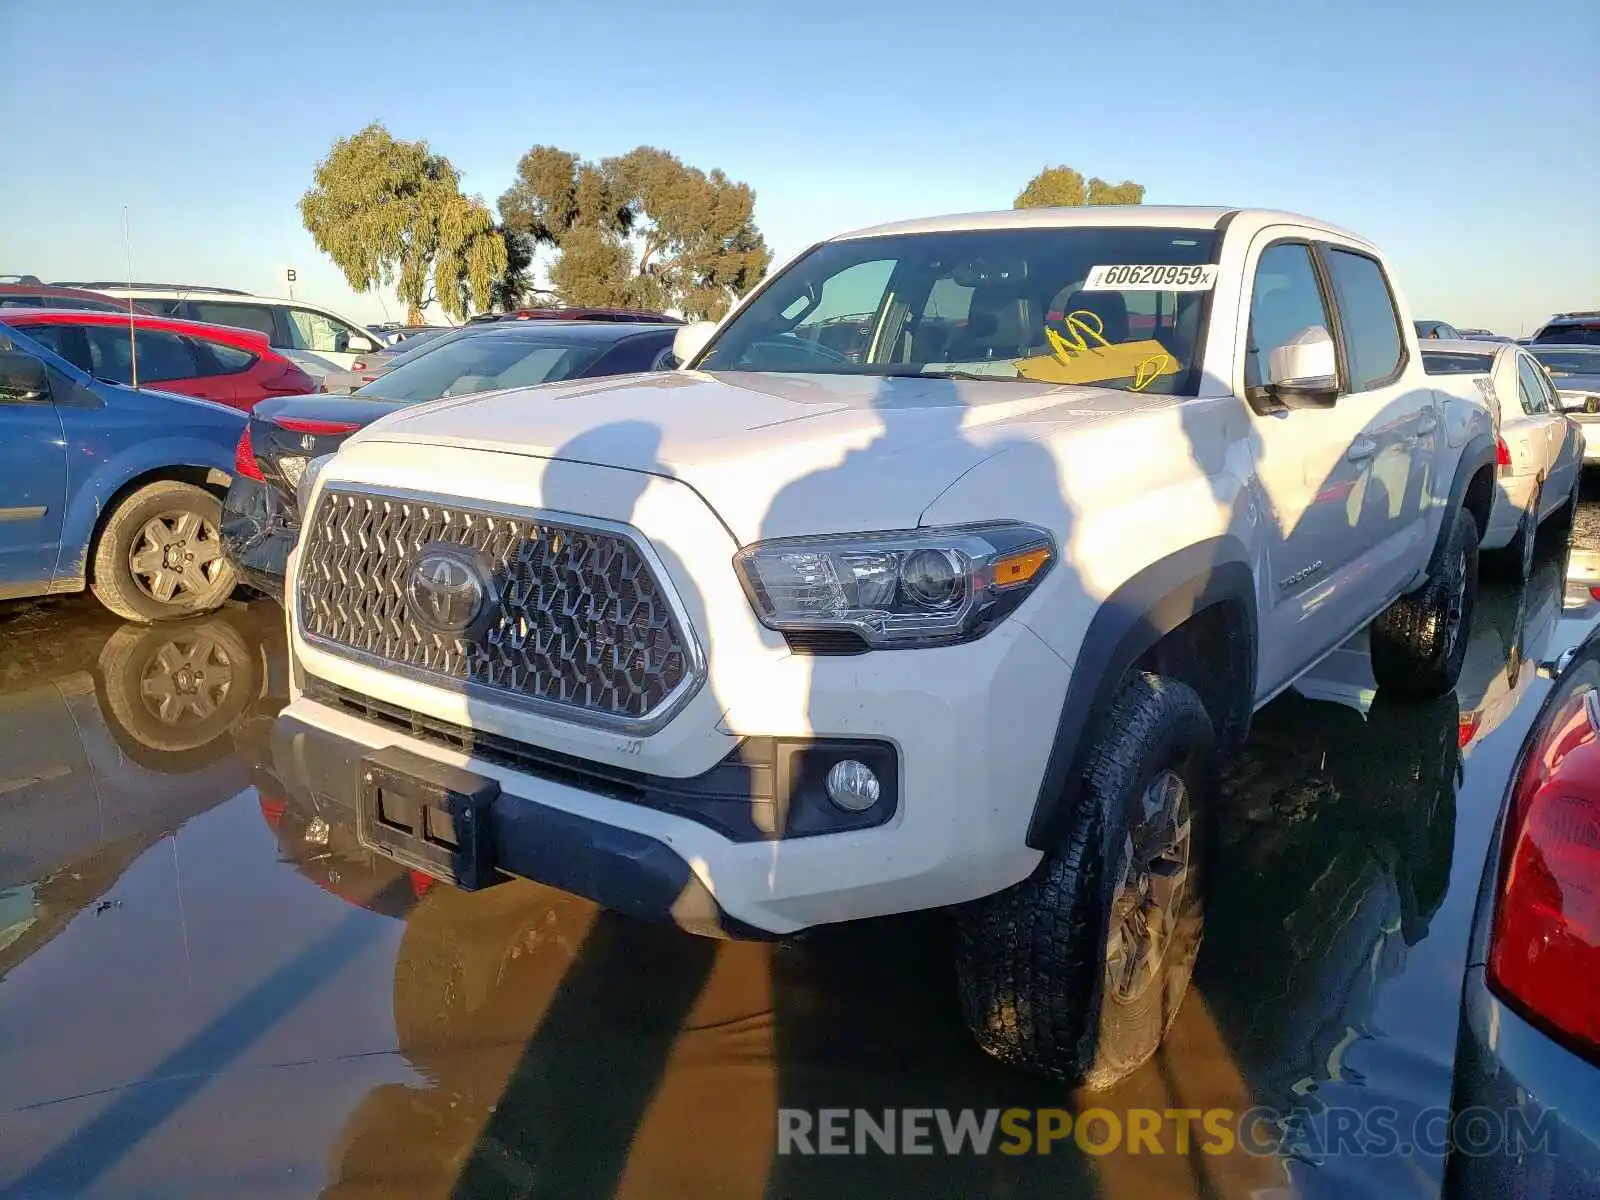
{"x":1151,"y":278}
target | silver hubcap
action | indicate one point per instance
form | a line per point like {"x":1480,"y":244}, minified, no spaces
{"x":189,"y":678}
{"x":177,"y":555}
{"x":1152,"y":887}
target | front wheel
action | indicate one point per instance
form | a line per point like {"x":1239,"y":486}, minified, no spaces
{"x":1515,"y":562}
{"x":160,"y":554}
{"x":1420,"y":641}
{"x":1077,"y":972}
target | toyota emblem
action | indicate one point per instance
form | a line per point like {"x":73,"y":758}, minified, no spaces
{"x":450,"y":589}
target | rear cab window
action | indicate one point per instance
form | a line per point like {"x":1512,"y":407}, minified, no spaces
{"x":1446,"y":362}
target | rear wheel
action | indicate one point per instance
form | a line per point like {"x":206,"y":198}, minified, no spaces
{"x":1568,"y":512}
{"x":160,"y":554}
{"x":1420,"y":641}
{"x":1515,"y":562}
{"x":1077,"y":972}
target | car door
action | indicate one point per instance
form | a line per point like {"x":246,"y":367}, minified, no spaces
{"x":1312,"y":465}
{"x":1547,"y":430}
{"x":326,"y":336}
{"x":1401,"y":418}
{"x":33,"y":483}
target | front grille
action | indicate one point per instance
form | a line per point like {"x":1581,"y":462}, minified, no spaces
{"x":582,"y":625}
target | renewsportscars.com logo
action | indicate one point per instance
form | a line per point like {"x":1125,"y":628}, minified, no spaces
{"x":1262,"y":1131}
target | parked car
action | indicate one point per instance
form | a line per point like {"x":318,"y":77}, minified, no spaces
{"x":1528,"y":1048}
{"x":38,"y":295}
{"x":1575,"y":371}
{"x":1539,"y":449}
{"x":114,"y":488}
{"x":1483,"y":335}
{"x":374,"y":366}
{"x":213,"y":362}
{"x":317,"y":339}
{"x":261,"y":516}
{"x":628,"y":316}
{"x":1570,"y":329}
{"x":1428,"y":330}
{"x":623,"y":623}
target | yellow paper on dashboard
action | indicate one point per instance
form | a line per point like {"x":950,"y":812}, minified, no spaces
{"x":1143,"y":362}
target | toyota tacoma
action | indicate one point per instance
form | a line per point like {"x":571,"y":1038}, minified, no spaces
{"x":940,"y":574}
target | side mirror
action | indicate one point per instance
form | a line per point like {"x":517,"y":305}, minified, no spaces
{"x":1577,"y":402}
{"x":1553,"y":668}
{"x":1304,"y":372}
{"x":23,"y":379}
{"x":691,"y":339}
{"x":363,"y":345}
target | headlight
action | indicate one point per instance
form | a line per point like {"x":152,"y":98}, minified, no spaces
{"x":920,"y":587}
{"x":308,"y":484}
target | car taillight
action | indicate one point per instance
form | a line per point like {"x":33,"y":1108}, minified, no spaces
{"x":1467,"y":729}
{"x":291,"y":381}
{"x":358,"y":366}
{"x":1502,"y":453}
{"x":1544,"y":945}
{"x":302,"y":425}
{"x":244,"y":458}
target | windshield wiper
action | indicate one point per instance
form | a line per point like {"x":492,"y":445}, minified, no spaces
{"x":977,"y":376}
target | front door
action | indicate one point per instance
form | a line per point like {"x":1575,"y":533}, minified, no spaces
{"x":1313,"y":469}
{"x":33,"y":489}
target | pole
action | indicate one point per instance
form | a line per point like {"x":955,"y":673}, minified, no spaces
{"x":133,"y":347}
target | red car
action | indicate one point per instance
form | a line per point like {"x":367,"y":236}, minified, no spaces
{"x":235,"y":367}
{"x":40,"y":295}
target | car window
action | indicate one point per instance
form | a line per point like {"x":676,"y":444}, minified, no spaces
{"x":1446,"y":362}
{"x":1060,"y":305}
{"x":1571,"y":335}
{"x":1369,"y":326}
{"x":320,"y":333}
{"x":1570,"y":362}
{"x":240,"y":316}
{"x":162,"y":357}
{"x":226,"y":360}
{"x":167,"y":308}
{"x":481,"y":364}
{"x":1285,"y":299}
{"x":1529,"y":390}
{"x":66,"y":340}
{"x":20,"y":302}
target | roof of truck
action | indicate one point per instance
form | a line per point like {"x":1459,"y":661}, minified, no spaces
{"x":1175,"y":216}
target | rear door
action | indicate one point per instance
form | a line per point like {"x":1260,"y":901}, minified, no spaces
{"x":33,"y":486}
{"x":1547,"y":427}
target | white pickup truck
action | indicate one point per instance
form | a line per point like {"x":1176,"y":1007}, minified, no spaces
{"x":936,"y":576}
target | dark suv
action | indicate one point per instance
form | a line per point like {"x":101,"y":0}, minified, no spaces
{"x":1571,"y":329}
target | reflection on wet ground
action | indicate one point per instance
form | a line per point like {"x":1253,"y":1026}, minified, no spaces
{"x":210,"y":988}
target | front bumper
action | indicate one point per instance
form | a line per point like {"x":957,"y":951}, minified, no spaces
{"x":258,"y":533}
{"x":962,"y":769}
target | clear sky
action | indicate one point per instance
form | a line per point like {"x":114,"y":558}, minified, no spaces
{"x":1460,"y":136}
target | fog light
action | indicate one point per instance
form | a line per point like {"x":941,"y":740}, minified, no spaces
{"x":852,"y":785}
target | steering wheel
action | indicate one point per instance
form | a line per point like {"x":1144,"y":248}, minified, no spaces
{"x":796,"y":349}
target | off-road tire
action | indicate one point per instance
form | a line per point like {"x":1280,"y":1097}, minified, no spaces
{"x":1515,"y":561}
{"x":1420,"y":641}
{"x":1032,"y":962}
{"x":111,"y":576}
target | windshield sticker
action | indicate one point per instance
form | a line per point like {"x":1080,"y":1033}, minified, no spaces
{"x":1151,"y":278}
{"x":1083,"y":355}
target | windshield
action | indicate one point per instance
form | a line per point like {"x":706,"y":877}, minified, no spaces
{"x":481,"y":364}
{"x":1091,"y":305}
{"x":1570,"y":362}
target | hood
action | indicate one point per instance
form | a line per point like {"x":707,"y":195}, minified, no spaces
{"x":775,"y":455}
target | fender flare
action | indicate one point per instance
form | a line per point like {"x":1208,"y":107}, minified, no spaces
{"x":1475,"y":455}
{"x":1131,"y":620}
{"x":90,"y":497}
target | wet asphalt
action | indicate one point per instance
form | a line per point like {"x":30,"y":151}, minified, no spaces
{"x":209,"y":990}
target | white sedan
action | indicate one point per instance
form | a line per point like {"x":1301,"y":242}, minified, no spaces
{"x":1540,"y":449}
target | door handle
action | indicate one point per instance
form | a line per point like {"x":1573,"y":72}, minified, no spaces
{"x":1365,"y":448}
{"x":1428,"y":421}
